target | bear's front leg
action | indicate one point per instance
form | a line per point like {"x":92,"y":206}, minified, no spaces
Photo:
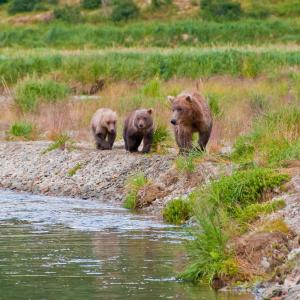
{"x":111,"y":138}
{"x":203,"y":140}
{"x":133,"y":143}
{"x":183,"y":136}
{"x":101,"y":142}
{"x":147,"y":143}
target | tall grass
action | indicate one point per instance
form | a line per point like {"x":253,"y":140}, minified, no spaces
{"x":30,"y":92}
{"x":152,"y":34}
{"x":274,"y":139}
{"x":144,"y":65}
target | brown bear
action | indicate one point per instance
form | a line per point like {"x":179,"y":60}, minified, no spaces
{"x":138,"y":126}
{"x":191,"y":113}
{"x":104,"y":125}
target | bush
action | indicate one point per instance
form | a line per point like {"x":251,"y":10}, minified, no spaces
{"x":17,"y":6}
{"x":156,"y":4}
{"x":3,"y":1}
{"x":62,"y":141}
{"x":69,"y":14}
{"x":161,"y":135}
{"x":90,"y":4}
{"x":177,"y":211}
{"x":220,"y":9}
{"x":21,"y":129}
{"x":30,"y":92}
{"x":133,"y":185}
{"x":124,"y":11}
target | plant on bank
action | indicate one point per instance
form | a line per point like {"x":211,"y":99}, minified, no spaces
{"x":133,"y":185}
{"x":224,"y":209}
{"x":62,"y":142}
{"x":91,"y":4}
{"x":68,"y":14}
{"x":21,"y":129}
{"x":18,"y":6}
{"x":177,"y":211}
{"x":73,"y":170}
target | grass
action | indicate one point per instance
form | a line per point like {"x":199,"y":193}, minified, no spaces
{"x":30,"y":92}
{"x":73,"y":170}
{"x":62,"y":141}
{"x":175,"y":33}
{"x":177,"y":211}
{"x":274,"y":139}
{"x":220,"y":209}
{"x":133,"y":185}
{"x":187,"y":163}
{"x":144,"y":65}
{"x":160,"y":137}
{"x":21,"y":129}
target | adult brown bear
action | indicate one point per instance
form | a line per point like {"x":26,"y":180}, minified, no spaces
{"x":191,"y":113}
{"x":104,"y":128}
{"x":138,"y":126}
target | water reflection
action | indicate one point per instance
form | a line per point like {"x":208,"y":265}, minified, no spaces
{"x":53,"y":248}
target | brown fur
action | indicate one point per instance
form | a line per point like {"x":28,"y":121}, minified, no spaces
{"x":191,"y":113}
{"x":138,"y":126}
{"x":104,"y":126}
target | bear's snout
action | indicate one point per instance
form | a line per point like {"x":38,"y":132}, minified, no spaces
{"x":173,"y":121}
{"x":141,"y":125}
{"x":112,"y":131}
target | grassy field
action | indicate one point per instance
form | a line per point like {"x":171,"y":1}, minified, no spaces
{"x":151,"y":34}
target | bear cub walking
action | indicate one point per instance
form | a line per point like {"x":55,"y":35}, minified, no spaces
{"x":138,"y":126}
{"x":191,"y":113}
{"x":104,"y":128}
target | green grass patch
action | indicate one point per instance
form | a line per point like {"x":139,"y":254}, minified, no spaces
{"x":274,"y":139}
{"x":62,"y":142}
{"x":160,"y":136}
{"x":30,"y":92}
{"x":187,"y":163}
{"x":177,"y":211}
{"x":21,"y":129}
{"x":220,"y":209}
{"x":133,"y":185}
{"x":73,"y":170}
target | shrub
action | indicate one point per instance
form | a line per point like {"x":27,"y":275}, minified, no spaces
{"x":62,"y":142}
{"x":186,"y":163}
{"x":177,"y":211}
{"x":21,"y":129}
{"x":161,"y":135}
{"x":69,"y":14}
{"x":157,"y":4}
{"x":90,"y":4}
{"x":30,"y":92}
{"x":17,"y":6}
{"x":220,"y":9}
{"x":133,"y":185}
{"x":124,"y":11}
{"x":3,"y":1}
{"x":214,"y":104}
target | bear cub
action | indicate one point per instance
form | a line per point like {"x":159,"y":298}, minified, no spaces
{"x":138,"y":126}
{"x":104,"y":128}
{"x":191,"y":113}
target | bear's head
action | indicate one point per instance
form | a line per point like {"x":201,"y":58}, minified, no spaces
{"x":109,"y":122}
{"x":182,"y":108}
{"x":143,"y":119}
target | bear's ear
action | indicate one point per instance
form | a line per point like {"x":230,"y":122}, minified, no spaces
{"x":171,"y":98}
{"x":189,"y":98}
{"x":150,"y":111}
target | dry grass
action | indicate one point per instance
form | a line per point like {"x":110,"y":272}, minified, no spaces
{"x":234,"y":98}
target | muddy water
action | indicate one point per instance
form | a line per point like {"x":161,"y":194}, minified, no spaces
{"x":58,"y":248}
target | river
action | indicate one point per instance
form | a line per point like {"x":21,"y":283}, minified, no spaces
{"x":62,"y":248}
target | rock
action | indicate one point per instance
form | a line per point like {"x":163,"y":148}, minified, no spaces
{"x":294,"y":253}
{"x":293,"y":293}
{"x":273,"y":291}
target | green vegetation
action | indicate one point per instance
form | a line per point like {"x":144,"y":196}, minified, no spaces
{"x":151,"y":34}
{"x":90,"y":4}
{"x":21,"y":129}
{"x":177,"y":211}
{"x":124,"y":10}
{"x":69,"y":14}
{"x":17,"y":6}
{"x":62,"y":142}
{"x":220,"y":210}
{"x":135,"y":65}
{"x":73,"y":170}
{"x":160,"y":137}
{"x":30,"y":92}
{"x":274,"y":139}
{"x":187,"y":163}
{"x":133,"y":185}
{"x":220,"y":10}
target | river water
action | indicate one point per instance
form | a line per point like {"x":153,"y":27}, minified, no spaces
{"x":61,"y":248}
